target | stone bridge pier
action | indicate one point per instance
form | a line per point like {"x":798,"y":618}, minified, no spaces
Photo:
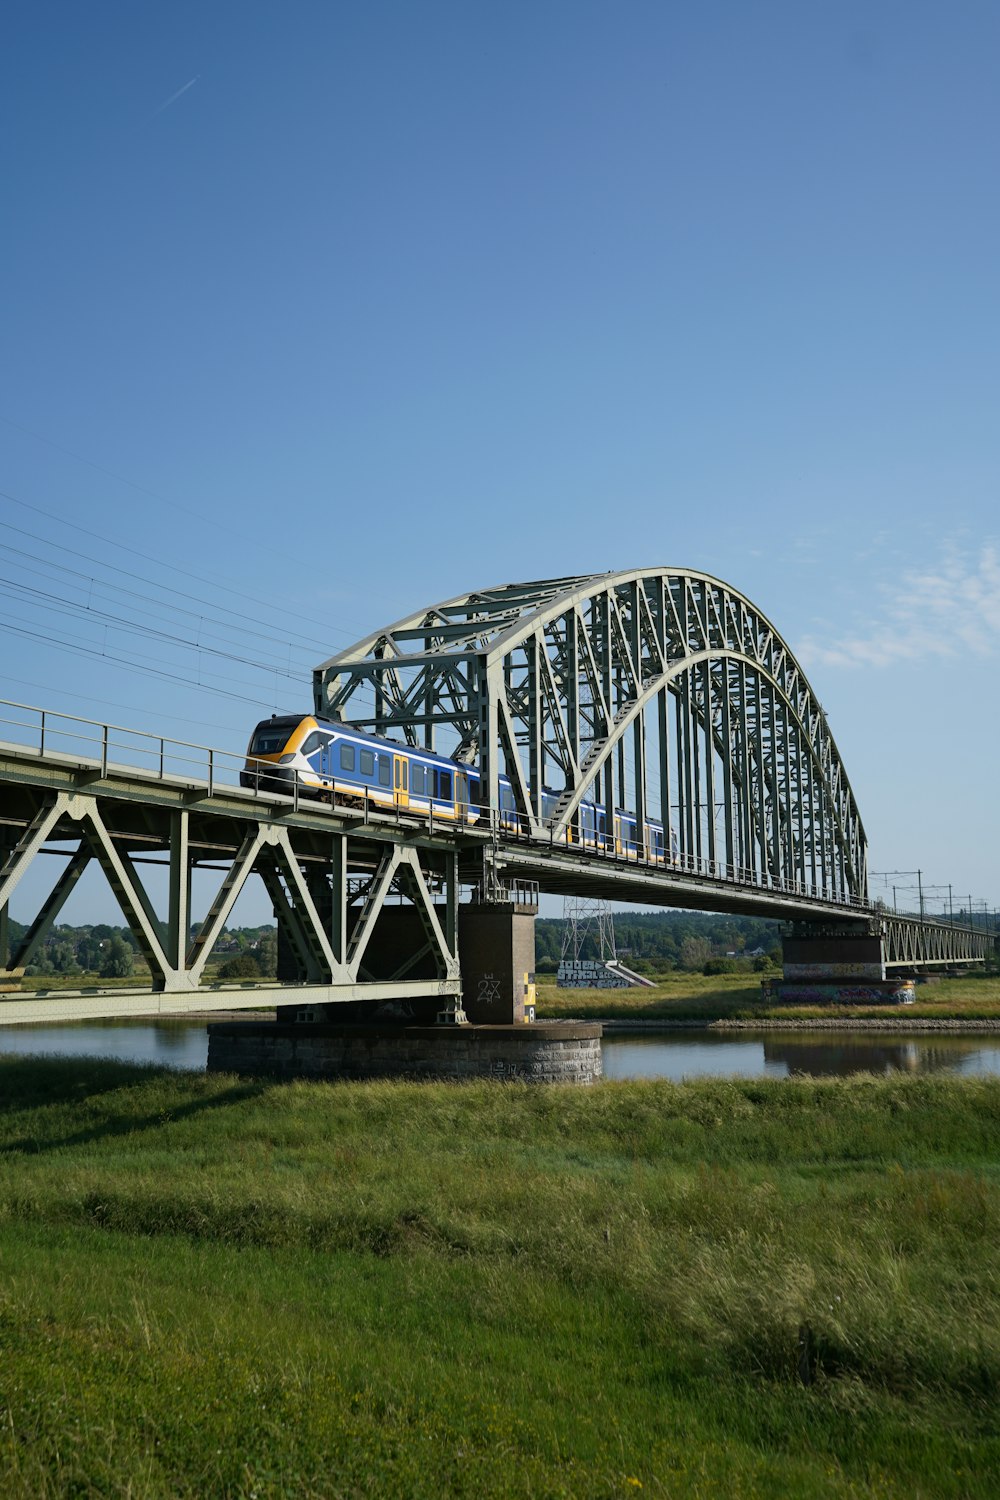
{"x":838,"y":962}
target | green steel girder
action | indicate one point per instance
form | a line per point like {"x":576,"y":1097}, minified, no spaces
{"x":115,"y":819}
{"x":566,"y":684}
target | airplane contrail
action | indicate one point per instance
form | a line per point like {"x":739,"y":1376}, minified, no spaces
{"x":174,"y":97}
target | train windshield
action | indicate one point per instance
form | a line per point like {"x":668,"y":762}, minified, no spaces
{"x":271,"y":737}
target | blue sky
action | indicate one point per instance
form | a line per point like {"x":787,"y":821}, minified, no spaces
{"x":316,"y":313}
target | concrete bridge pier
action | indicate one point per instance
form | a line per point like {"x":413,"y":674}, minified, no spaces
{"x":496,"y":953}
{"x":838,"y":962}
{"x":494,"y":1035}
{"x":496,"y":947}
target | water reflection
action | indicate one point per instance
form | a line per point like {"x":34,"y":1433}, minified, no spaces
{"x":172,"y":1044}
{"x":779,"y":1054}
{"x":664,"y":1054}
{"x":842,"y":1056}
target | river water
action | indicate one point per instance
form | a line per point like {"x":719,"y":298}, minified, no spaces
{"x":664,"y":1054}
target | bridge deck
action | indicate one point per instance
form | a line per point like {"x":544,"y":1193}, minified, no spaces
{"x":121,"y":816}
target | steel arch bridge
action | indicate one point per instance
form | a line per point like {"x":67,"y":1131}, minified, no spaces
{"x":664,"y":692}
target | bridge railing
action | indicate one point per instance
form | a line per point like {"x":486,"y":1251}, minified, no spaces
{"x":90,"y":744}
{"x":703,"y":867}
{"x":93,"y":744}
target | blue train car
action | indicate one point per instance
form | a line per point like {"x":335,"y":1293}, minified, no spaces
{"x":336,"y":763}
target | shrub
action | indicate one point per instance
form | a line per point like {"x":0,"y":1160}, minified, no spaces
{"x":242,"y":966}
{"x":724,"y":966}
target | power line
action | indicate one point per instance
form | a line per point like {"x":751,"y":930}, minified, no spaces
{"x":115,"y":588}
{"x":134,"y":552}
{"x":198,"y":516}
{"x":150,"y":632}
{"x":130,"y":664}
{"x":131,"y":708}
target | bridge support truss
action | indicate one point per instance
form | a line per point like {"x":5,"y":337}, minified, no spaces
{"x":334,"y":883}
{"x":664,"y":693}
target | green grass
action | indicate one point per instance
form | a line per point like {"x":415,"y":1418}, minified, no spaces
{"x":697,"y":997}
{"x":139,"y":979}
{"x":217,"y":1287}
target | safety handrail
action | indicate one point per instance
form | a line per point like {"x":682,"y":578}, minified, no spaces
{"x":106,"y":743}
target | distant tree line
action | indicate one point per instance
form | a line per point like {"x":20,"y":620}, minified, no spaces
{"x":656,"y":942}
{"x":113,"y":952}
{"x":649,"y":942}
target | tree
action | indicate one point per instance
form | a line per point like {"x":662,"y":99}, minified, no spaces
{"x":88,"y":952}
{"x":118,"y":959}
{"x":267,"y":953}
{"x":62,"y":959}
{"x":695,"y":952}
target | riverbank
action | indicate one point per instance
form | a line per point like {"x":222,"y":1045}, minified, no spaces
{"x":689,"y":1000}
{"x":900,"y":1023}
{"x":222,"y":1286}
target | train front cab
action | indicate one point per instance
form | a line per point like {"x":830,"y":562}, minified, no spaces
{"x":267,"y":761}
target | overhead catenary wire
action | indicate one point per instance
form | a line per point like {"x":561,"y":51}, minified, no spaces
{"x":91,"y":581}
{"x":61,"y":607}
{"x":140,"y":489}
{"x":136,"y":666}
{"x":104,"y":702}
{"x":130,"y":573}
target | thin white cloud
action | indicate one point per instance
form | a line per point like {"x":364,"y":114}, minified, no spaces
{"x":948,"y":609}
{"x":174,"y":97}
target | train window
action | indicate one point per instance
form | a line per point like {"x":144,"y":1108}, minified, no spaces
{"x":367,"y":763}
{"x":384,"y":771}
{"x":268,"y":741}
{"x":443,"y":779}
{"x":312,"y":743}
{"x":418,"y":779}
{"x":347,"y":757}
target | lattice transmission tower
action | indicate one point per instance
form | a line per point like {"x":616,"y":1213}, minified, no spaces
{"x":584,"y":917}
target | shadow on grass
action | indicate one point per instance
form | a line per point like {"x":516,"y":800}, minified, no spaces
{"x":38,"y":1083}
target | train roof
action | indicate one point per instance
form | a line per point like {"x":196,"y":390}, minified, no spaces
{"x":362,"y":737}
{"x":282,"y":721}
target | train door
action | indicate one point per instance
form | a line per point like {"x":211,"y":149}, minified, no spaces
{"x":618,"y":835}
{"x":402,"y":787}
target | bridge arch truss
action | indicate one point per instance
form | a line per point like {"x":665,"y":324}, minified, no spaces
{"x":667,"y":693}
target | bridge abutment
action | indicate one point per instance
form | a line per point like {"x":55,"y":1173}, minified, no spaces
{"x":838,"y":963}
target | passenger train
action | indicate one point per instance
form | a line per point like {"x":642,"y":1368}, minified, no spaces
{"x":339,"y":764}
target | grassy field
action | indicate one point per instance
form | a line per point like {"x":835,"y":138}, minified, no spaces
{"x":219,"y":1287}
{"x":696,"y":997}
{"x":90,"y":980}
